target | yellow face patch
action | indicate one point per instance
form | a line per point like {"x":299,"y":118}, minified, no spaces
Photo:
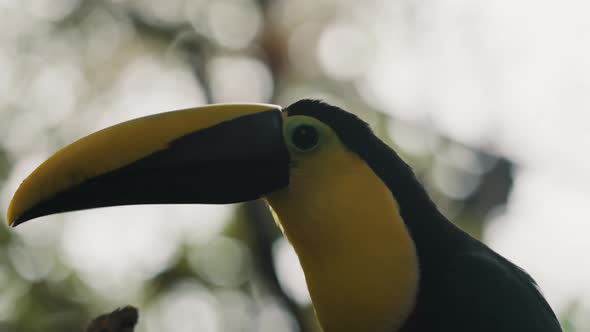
{"x":359,"y":260}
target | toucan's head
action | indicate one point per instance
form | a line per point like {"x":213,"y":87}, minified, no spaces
{"x":214,"y":154}
{"x":315,"y":165}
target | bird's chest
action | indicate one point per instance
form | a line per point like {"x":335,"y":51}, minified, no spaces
{"x":359,"y":260}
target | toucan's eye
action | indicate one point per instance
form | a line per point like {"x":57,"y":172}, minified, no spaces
{"x":305,"y":137}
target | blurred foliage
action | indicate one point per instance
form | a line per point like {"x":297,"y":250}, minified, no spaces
{"x":231,"y":50}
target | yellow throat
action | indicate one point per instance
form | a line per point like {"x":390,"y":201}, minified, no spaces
{"x":359,"y":260}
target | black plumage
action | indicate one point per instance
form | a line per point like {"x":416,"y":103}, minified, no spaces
{"x":464,"y":285}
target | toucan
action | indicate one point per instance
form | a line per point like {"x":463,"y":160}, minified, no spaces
{"x":377,"y":254}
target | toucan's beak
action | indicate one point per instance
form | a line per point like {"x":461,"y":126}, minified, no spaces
{"x":213,"y":154}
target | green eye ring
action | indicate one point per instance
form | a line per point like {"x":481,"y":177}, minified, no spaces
{"x":303,"y":135}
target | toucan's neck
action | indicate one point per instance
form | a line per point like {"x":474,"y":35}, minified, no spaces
{"x":359,"y":260}
{"x":432,"y":233}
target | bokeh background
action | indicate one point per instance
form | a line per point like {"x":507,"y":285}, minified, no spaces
{"x":488,"y":100}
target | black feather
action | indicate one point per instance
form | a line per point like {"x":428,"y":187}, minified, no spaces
{"x":464,"y":285}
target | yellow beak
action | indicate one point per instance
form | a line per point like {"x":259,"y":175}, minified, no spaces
{"x":213,"y":154}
